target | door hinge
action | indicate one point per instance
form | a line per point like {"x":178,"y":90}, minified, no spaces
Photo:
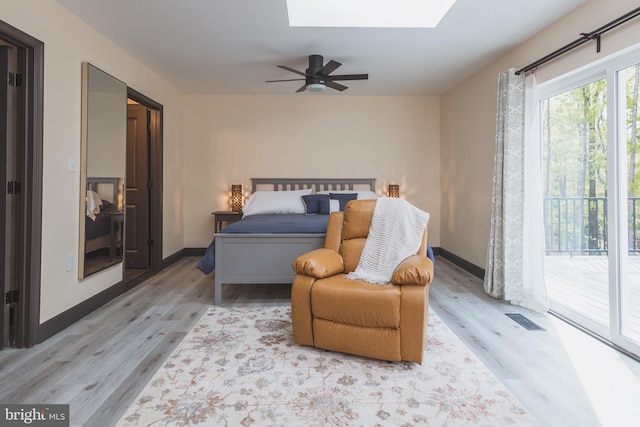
{"x":149,"y":185}
{"x":150,"y":242}
{"x":13,"y":187}
{"x":15,"y":79}
{"x":12,"y":297}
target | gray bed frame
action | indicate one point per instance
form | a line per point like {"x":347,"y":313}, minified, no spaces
{"x":267,"y":258}
{"x":107,"y":188}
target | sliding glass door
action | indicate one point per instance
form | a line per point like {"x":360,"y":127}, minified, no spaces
{"x":628,"y":130}
{"x":574,"y":134}
{"x":591,"y":158}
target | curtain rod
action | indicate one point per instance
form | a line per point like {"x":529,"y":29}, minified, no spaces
{"x":593,"y":35}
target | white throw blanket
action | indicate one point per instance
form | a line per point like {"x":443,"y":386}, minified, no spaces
{"x":93,"y":204}
{"x":395,"y":233}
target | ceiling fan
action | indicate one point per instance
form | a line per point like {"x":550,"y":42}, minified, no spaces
{"x":318,"y":76}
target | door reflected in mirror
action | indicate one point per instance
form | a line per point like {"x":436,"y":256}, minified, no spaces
{"x":102,"y":171}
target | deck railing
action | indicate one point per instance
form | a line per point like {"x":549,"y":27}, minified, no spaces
{"x":578,"y":225}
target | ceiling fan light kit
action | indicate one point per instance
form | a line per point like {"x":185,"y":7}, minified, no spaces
{"x":316,"y":87}
{"x":318,"y":76}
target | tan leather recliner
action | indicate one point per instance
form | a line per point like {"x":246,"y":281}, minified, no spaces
{"x":332,"y":312}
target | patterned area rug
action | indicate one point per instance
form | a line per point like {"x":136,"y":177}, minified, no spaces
{"x":239,"y":367}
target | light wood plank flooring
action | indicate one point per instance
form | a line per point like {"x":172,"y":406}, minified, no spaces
{"x":101,"y":363}
{"x":563,"y":376}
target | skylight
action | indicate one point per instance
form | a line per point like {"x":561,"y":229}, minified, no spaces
{"x":367,"y":13}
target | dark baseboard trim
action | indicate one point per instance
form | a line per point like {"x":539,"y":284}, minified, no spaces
{"x":462,"y":263}
{"x":181,"y":254}
{"x":194,"y":251}
{"x":173,"y":258}
{"x":436,"y":250}
{"x":60,"y":322}
{"x":63,"y":320}
{"x":130,"y":284}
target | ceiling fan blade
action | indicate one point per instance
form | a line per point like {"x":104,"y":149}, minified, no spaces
{"x":349,"y":77}
{"x":284,"y":67}
{"x":285,"y":80}
{"x":329,"y":68}
{"x":336,"y":86}
{"x":302,"y":89}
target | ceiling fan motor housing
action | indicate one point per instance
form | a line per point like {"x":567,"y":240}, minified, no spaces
{"x":316,"y":62}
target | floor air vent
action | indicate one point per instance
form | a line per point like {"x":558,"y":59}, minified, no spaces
{"x":525,"y":322}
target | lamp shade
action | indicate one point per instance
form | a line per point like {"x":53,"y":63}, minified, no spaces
{"x":236,"y":197}
{"x":394,"y":190}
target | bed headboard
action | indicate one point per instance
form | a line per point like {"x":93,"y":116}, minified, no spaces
{"x":108,"y":188}
{"x":318,"y":184}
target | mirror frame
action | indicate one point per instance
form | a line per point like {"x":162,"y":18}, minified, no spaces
{"x":119,"y":194}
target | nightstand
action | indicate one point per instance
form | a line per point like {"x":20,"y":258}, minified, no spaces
{"x":225,"y":216}
{"x":115,"y":234}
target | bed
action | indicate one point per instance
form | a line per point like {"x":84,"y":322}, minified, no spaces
{"x":243,"y":255}
{"x":100,"y":227}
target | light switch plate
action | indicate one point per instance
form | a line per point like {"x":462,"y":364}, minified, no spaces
{"x":73,"y":165}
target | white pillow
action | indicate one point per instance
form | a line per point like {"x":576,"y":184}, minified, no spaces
{"x":362,"y":194}
{"x":276,"y":202}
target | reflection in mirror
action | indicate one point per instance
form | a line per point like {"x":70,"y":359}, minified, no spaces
{"x":102,"y":170}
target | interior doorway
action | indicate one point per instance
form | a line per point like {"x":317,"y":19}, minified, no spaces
{"x":143,"y":224}
{"x":9,"y":206}
{"x":21,"y":126}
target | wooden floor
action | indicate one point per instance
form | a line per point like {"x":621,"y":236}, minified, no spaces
{"x":101,"y":363}
{"x":581,"y":284}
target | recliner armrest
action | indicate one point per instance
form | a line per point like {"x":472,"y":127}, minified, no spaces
{"x":414,"y":270}
{"x":319,"y":263}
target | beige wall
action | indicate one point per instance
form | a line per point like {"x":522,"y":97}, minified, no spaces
{"x":468,"y":119}
{"x":231,"y":139}
{"x":439,"y":149}
{"x":68,"y":42}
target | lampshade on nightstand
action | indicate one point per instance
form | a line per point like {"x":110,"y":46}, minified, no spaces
{"x":236,"y":197}
{"x":394,"y":190}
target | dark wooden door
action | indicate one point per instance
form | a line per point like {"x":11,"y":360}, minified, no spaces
{"x":9,"y":203}
{"x":137,"y":231}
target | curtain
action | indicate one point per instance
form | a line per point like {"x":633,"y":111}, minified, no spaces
{"x":516,"y":242}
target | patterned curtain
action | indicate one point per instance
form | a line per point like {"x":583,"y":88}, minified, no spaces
{"x":516,"y":245}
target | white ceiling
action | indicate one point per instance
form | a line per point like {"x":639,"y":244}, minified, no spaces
{"x":233,"y":46}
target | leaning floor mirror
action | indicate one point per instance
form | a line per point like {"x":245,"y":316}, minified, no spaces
{"x":102,"y":171}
